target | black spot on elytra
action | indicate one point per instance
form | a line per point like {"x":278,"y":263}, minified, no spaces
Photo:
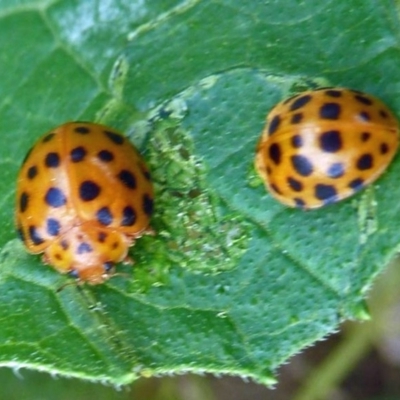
{"x":52,"y":160}
{"x":34,"y":236}
{"x":302,"y":165}
{"x":335,"y":170}
{"x":296,"y":118}
{"x":128,"y":216}
{"x":364,"y":116}
{"x":48,"y":137}
{"x":23,"y":202}
{"x":275,"y":153}
{"x":115,"y":245}
{"x":297,"y":141}
{"x":333,"y":93}
{"x":116,"y":138}
{"x":102,"y":237}
{"x":330,"y":111}
{"x":275,"y":188}
{"x":296,"y":185}
{"x":363,"y":99}
{"x":299,"y":202}
{"x":356,"y":184}
{"x":383,"y":114}
{"x":78,"y":154}
{"x":365,"y":136}
{"x":105,"y":155}
{"x":148,"y":205}
{"x":55,"y":197}
{"x":53,"y":227}
{"x":89,"y":190}
{"x":84,"y":248}
{"x":300,"y":102}
{"x":330,"y":141}
{"x":104,"y":216}
{"x":274,"y":124}
{"x":146,"y":174}
{"x":127,"y":178}
{"x":32,"y":172}
{"x":384,"y":148}
{"x":326,"y":193}
{"x":82,"y":130}
{"x":365,"y":162}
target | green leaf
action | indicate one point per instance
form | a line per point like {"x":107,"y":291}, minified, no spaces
{"x":232,"y":282}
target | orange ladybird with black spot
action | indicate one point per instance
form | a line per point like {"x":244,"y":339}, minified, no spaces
{"x":324,"y":145}
{"x":84,"y":195}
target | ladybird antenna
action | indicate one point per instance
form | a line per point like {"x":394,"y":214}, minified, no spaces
{"x":69,"y":283}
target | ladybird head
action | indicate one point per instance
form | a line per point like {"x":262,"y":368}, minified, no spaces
{"x":93,"y":274}
{"x":88,"y":252}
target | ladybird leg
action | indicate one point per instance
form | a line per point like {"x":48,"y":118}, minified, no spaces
{"x":149,"y":231}
{"x":45,"y":259}
{"x":109,"y":269}
{"x":73,"y":273}
{"x":128,"y":261}
{"x":76,"y":283}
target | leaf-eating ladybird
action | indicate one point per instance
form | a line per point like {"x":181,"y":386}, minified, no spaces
{"x":84,"y":195}
{"x":324,"y":145}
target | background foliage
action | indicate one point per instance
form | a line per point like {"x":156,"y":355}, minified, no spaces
{"x":233,"y":282}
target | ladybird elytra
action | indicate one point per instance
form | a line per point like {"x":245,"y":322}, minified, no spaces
{"x":84,"y":195}
{"x":322,"y":146}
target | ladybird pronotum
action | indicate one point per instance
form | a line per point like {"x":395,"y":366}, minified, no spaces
{"x":324,"y":145}
{"x":84,"y":195}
